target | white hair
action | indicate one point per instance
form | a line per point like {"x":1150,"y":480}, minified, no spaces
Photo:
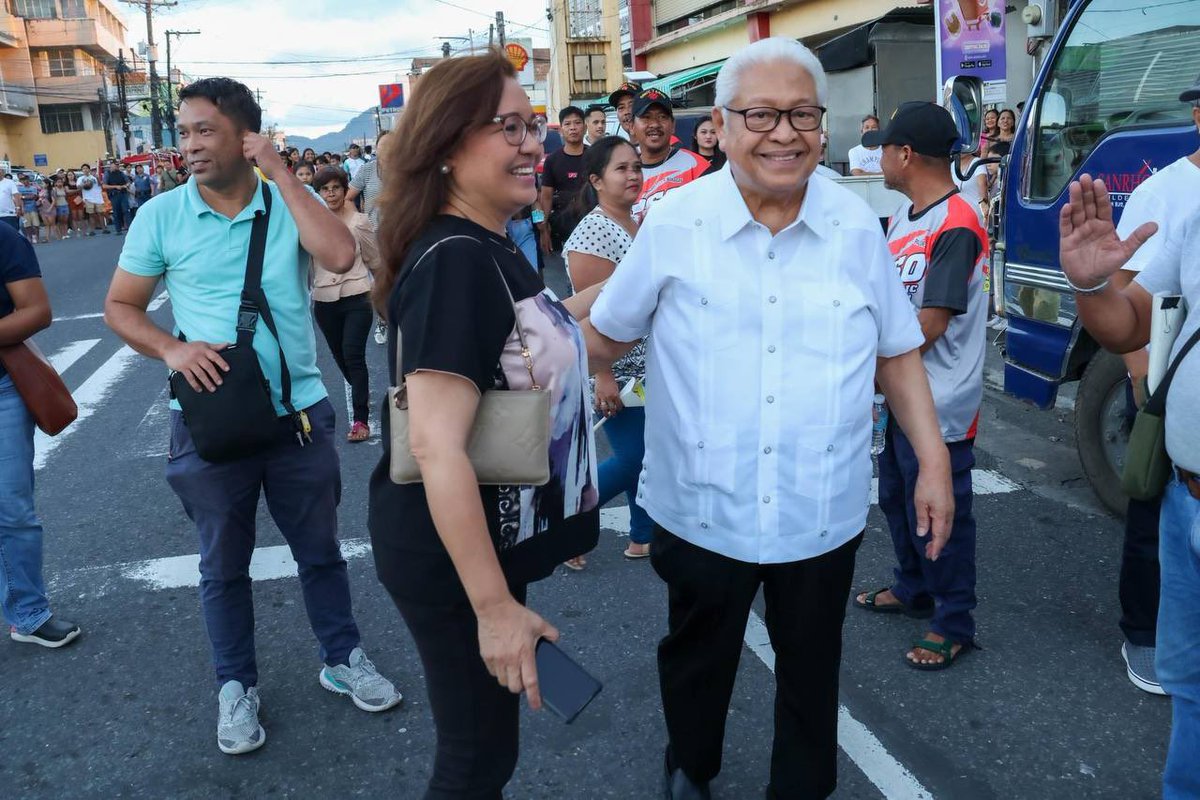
{"x":768,"y":51}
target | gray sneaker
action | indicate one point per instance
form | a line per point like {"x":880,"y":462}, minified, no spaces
{"x":238,"y":730}
{"x":1139,"y":665}
{"x":369,"y":690}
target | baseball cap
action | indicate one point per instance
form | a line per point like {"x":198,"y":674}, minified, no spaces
{"x":925,"y":127}
{"x":1192,"y":94}
{"x":650,"y":98}
{"x":627,"y":88}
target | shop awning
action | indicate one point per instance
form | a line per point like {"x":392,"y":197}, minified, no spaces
{"x":678,"y":84}
{"x":853,"y":48}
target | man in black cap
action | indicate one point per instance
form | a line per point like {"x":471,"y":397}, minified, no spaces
{"x":1093,"y":256}
{"x":664,"y":166}
{"x":940,"y":249}
{"x":622,"y":100}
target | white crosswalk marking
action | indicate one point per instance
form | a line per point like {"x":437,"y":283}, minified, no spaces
{"x":88,"y":398}
{"x":67,"y":356}
{"x":158,"y":301}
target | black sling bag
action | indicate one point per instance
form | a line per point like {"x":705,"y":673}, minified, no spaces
{"x":238,"y":419}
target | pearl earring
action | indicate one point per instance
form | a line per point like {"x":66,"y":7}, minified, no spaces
{"x":445,"y":169}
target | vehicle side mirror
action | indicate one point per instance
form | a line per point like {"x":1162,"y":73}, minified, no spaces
{"x":1053,"y":110}
{"x":962,"y":96}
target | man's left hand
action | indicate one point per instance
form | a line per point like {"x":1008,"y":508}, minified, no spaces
{"x":260,"y":152}
{"x":934,"y":504}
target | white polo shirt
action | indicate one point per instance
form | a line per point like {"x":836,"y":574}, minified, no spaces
{"x":760,"y":365}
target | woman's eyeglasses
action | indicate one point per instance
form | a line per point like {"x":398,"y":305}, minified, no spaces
{"x":515,"y":128}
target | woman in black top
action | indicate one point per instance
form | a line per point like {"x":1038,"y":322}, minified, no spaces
{"x":456,"y":556}
{"x":704,"y":142}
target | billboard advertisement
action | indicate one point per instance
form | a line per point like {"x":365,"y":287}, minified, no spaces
{"x":971,"y":42}
{"x":391,"y":98}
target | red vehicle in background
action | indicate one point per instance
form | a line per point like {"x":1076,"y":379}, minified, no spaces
{"x":166,"y":158}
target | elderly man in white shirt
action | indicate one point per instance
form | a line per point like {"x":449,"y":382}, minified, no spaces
{"x":773,"y":306}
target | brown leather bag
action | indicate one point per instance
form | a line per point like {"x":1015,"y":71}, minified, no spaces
{"x":39,"y":384}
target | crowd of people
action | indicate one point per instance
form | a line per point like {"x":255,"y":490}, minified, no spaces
{"x":747,"y":463}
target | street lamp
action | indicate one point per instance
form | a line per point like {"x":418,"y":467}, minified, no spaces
{"x":170,"y":84}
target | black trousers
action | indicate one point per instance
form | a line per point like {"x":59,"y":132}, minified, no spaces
{"x":477,"y":719}
{"x":709,"y":601}
{"x":346,"y":324}
{"x":1138,"y":584}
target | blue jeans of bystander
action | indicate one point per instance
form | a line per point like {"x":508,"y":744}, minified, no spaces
{"x":619,"y":473}
{"x":1178,"y":656}
{"x":22,"y":587}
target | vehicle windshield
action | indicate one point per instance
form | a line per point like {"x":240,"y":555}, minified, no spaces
{"x":1123,"y":65}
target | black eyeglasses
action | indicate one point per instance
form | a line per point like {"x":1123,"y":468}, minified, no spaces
{"x":764,"y":119}
{"x":515,"y":128}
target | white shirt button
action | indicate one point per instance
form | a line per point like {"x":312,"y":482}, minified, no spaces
{"x":767,"y":498}
{"x":703,"y":301}
{"x":767,"y":450}
{"x":824,"y":534}
{"x":770,"y":398}
{"x":837,"y":303}
{"x":704,"y":525}
{"x":836,"y":223}
{"x":771,"y":299}
{"x":699,"y":223}
{"x":700,"y":445}
{"x":771,"y":348}
{"x":829,"y":449}
{"x":771,"y":255}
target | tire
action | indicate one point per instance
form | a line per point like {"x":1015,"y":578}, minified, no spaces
{"x":1101,"y":428}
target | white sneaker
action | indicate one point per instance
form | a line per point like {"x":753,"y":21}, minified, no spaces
{"x":1139,"y":666}
{"x":238,"y":730}
{"x":369,"y":690}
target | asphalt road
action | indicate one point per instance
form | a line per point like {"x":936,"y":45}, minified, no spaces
{"x":1043,"y":711}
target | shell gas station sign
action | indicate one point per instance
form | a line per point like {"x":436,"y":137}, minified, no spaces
{"x":520,"y":53}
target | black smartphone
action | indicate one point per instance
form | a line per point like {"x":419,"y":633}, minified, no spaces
{"x":566,"y":687}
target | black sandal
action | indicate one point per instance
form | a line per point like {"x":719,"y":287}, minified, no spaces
{"x":916,"y":612}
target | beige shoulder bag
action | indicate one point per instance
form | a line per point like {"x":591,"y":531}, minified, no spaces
{"x":510,"y":441}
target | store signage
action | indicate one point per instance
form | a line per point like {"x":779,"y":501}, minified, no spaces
{"x":971,"y":42}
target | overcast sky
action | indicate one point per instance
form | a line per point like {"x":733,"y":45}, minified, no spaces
{"x":363,"y":43}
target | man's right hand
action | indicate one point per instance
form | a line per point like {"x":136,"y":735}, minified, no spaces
{"x":1089,"y":249}
{"x":199,"y":362}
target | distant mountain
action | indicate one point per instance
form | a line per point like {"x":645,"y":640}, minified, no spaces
{"x":361,"y":127}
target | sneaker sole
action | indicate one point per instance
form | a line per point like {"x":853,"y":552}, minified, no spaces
{"x":30,"y":639}
{"x":333,"y":687}
{"x":1140,"y":682}
{"x":244,"y":748}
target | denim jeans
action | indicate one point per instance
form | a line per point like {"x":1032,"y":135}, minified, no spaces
{"x":120,"y":210}
{"x":950,"y":581}
{"x":303,"y":487}
{"x":619,"y":473}
{"x":22,"y":588}
{"x":523,"y":236}
{"x":1177,"y":658}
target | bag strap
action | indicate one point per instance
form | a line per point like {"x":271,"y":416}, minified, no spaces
{"x":254,"y":299}
{"x":526,"y":354}
{"x":1157,"y":404}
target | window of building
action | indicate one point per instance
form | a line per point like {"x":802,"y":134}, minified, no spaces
{"x":1122,"y":66}
{"x":585,"y":20}
{"x":35,"y":9}
{"x":74,"y":9}
{"x":679,"y":14}
{"x":62,"y":62}
{"x":61,"y":119}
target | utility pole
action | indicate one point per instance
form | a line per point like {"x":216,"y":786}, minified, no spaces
{"x":152,"y":58}
{"x":170,"y":85}
{"x":445,"y":49}
{"x":123,"y":98}
{"x":500,"y":28}
{"x":105,"y":113}
{"x":491,"y":35}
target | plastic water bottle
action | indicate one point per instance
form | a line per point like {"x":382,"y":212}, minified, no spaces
{"x":879,"y":414}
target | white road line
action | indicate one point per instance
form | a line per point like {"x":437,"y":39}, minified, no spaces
{"x":88,"y":398}
{"x":79,"y":316}
{"x":983,"y":481}
{"x":158,"y":301}
{"x":67,"y":356}
{"x":865,"y":750}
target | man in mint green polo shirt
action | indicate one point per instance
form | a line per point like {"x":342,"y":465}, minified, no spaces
{"x":196,"y":240}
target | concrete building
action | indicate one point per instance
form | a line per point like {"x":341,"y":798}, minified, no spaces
{"x":585,"y":51}
{"x":56,"y":63}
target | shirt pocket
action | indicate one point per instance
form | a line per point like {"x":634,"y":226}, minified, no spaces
{"x":712,"y":456}
{"x":823,"y":468}
{"x":710,"y":308}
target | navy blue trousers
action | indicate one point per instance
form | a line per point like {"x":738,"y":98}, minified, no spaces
{"x":950,"y":581}
{"x":303,"y":486}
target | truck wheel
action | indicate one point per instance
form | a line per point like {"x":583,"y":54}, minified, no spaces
{"x":1101,"y":429}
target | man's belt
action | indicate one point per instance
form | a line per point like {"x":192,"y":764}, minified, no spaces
{"x":1191,"y":480}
